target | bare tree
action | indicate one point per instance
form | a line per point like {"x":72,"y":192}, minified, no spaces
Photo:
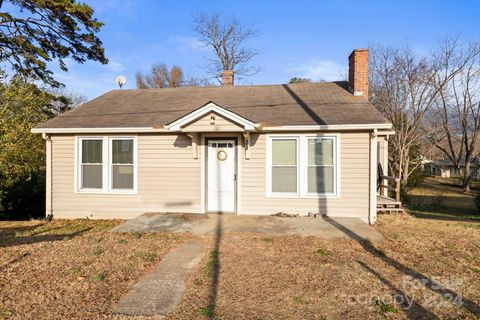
{"x":160,"y":77}
{"x":175,"y":78}
{"x":299,"y":80}
{"x":457,"y":111}
{"x":198,"y":82}
{"x":140,"y":81}
{"x":404,"y":88}
{"x":227,"y":38}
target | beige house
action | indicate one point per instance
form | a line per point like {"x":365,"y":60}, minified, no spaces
{"x":250,"y":150}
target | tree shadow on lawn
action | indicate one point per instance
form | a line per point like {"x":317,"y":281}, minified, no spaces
{"x":442,"y":207}
{"x":428,"y":283}
{"x":411,"y":307}
{"x":37,"y":237}
{"x":213,"y":269}
{"x":7,"y":232}
{"x":434,"y":214}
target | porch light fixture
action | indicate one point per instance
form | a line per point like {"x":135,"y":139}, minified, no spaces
{"x":212,"y":120}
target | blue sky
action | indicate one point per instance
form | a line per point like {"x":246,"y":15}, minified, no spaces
{"x":296,"y":38}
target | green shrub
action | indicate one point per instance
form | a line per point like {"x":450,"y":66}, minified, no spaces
{"x":477,"y":201}
{"x":415,"y":178}
{"x":25,"y":198}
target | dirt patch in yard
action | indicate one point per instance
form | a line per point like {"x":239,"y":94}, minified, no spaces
{"x":72,"y":269}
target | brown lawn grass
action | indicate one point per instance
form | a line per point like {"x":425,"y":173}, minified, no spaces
{"x":72,"y":269}
{"x":309,"y":278}
{"x":48,"y":273}
{"x":78,"y":270}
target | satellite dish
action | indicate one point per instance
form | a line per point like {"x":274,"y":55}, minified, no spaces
{"x":121,"y":80}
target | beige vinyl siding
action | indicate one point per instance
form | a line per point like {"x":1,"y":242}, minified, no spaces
{"x":168,"y":180}
{"x":353,"y":200}
{"x":221,"y":124}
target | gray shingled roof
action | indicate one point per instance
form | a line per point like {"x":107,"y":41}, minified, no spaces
{"x":328,"y":103}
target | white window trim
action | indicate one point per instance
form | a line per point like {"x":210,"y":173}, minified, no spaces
{"x":302,"y":167}
{"x":106,"y":165}
{"x":78,"y":166}
{"x":305,"y":166}
{"x":270,"y":165}
{"x":110,"y":165}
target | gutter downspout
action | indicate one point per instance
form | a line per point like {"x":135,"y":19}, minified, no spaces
{"x":48,"y":175}
{"x":372,"y":216}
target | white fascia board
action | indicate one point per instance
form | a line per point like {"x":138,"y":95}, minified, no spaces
{"x":210,"y":107}
{"x":386,"y":133}
{"x":250,"y":126}
{"x":98,"y":130}
{"x":333,"y":127}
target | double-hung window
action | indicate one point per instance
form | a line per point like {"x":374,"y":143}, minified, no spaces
{"x":122,"y":165}
{"x":91,"y":164}
{"x":106,"y":164}
{"x":285,"y":165}
{"x":321,"y":167}
{"x":302,"y":165}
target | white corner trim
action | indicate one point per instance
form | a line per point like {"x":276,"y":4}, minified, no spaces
{"x":372,"y":215}
{"x":202,"y":154}
{"x":208,"y":108}
{"x":48,"y":175}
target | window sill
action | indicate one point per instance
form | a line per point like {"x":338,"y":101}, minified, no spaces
{"x":106,"y":192}
{"x":303,"y":196}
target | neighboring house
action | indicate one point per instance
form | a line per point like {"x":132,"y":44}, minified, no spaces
{"x":258,"y":150}
{"x":427,"y":166}
{"x":446,"y":169}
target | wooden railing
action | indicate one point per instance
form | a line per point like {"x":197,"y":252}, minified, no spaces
{"x":385,"y":188}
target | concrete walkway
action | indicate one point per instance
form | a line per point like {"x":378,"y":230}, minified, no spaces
{"x":200,"y":224}
{"x":159,"y":292}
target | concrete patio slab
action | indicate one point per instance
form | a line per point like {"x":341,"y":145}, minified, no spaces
{"x":159,"y":292}
{"x":201,"y":224}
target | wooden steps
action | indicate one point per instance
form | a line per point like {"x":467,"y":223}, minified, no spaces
{"x":388,"y":205}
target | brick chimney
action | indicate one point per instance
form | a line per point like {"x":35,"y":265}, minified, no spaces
{"x":227,"y":78}
{"x":358,"y":72}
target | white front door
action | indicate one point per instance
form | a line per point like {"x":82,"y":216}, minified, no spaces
{"x":221,"y":175}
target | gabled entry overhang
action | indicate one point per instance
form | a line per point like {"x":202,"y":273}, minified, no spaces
{"x":182,"y":124}
{"x":213,"y":118}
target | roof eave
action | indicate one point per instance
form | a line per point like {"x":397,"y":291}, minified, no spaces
{"x":98,"y":130}
{"x":330,"y":127}
{"x":259,"y":128}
